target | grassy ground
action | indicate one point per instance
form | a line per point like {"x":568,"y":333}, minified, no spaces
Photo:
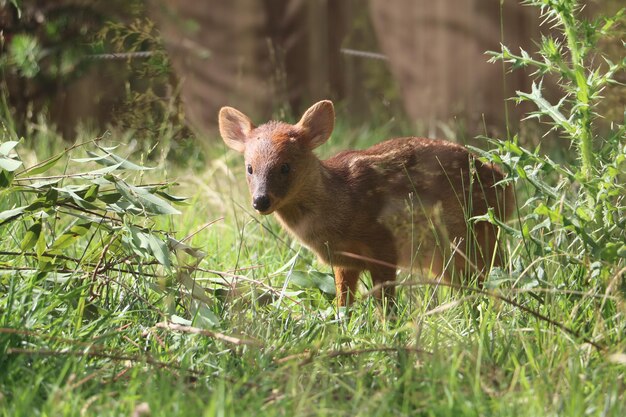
{"x":148,"y":341}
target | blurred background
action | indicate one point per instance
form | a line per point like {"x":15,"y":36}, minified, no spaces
{"x":167,"y":66}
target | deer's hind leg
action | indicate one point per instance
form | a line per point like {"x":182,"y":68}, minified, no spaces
{"x":382,"y":263}
{"x":346,"y":280}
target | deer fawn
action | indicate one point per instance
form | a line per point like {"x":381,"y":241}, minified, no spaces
{"x":401,"y":203}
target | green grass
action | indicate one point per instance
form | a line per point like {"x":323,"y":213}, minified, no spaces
{"x":288,"y":352}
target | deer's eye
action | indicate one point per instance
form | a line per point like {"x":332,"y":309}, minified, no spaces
{"x":249,"y":169}
{"x":285,"y":168}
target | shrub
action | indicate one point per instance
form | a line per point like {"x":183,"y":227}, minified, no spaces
{"x":92,"y":231}
{"x":572,"y":217}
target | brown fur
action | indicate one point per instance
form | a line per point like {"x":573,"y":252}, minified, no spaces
{"x":401,"y":203}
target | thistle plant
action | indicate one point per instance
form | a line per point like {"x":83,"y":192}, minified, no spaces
{"x":572,"y":55}
{"x":573,"y":212}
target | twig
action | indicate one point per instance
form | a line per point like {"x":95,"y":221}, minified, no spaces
{"x":364,"y":54}
{"x":97,"y":267}
{"x":96,"y":354}
{"x":214,"y":335}
{"x":69,"y":258}
{"x":121,"y":55}
{"x":308,"y":356}
{"x":204,"y":226}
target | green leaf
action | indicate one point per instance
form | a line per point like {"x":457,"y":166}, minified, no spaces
{"x":40,"y":203}
{"x":156,"y":205}
{"x":44,"y":267}
{"x":583,"y":214}
{"x":95,"y":158}
{"x":44,"y":183}
{"x":92,"y":192}
{"x":179,"y":320}
{"x":10,"y":214}
{"x":58,"y":277}
{"x":44,"y":166}
{"x":25,"y":51}
{"x":7,"y":147}
{"x":71,"y":235}
{"x":6,"y":178}
{"x":170,"y":197}
{"x":138,"y":241}
{"x":497,"y":276}
{"x":142,"y":198}
{"x":40,"y":249}
{"x":106,"y":170}
{"x":148,"y":244}
{"x":31,"y":237}
{"x":314,"y":279}
{"x":9,"y":164}
{"x":110,"y":159}
{"x":205,"y":318}
{"x":526,"y":231}
{"x":546,"y":108}
{"x":110,"y":197}
{"x":612,"y":251}
{"x":512,"y":147}
{"x":196,"y":290}
{"x":72,"y":191}
{"x":124,"y":207}
{"x":158,"y":249}
{"x":174,"y":244}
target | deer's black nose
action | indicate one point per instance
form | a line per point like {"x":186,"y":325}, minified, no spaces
{"x":261,"y":202}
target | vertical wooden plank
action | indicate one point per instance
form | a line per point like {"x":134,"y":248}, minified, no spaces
{"x":318,"y":49}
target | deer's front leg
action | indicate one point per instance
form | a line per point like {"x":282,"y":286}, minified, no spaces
{"x":346,"y":281}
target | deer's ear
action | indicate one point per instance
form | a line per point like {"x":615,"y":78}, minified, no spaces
{"x":234,"y":128}
{"x":318,"y":123}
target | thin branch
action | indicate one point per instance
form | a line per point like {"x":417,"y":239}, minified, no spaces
{"x":102,"y":355}
{"x":364,"y":54}
{"x":308,"y":356}
{"x":99,"y":263}
{"x":45,"y":161}
{"x":201,"y":228}
{"x":207,"y":333}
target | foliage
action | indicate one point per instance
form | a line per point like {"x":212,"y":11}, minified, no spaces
{"x":152,"y":106}
{"x":25,"y":53}
{"x":579,"y":212}
{"x":78,"y":230}
{"x":49,"y":46}
{"x":44,"y":47}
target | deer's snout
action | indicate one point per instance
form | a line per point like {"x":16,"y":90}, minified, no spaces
{"x":261,"y":202}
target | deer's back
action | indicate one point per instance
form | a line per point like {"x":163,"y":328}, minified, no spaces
{"x":410,"y":185}
{"x":430,"y":170}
